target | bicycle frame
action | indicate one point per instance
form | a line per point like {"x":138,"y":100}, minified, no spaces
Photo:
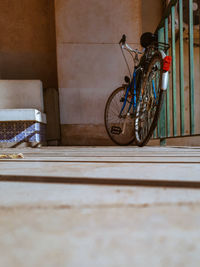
{"x":165,"y":78}
{"x":133,"y":99}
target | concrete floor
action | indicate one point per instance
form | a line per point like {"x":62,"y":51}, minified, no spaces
{"x":106,"y":220}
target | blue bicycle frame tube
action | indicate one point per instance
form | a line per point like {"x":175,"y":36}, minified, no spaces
{"x":154,"y":89}
{"x":134,"y":93}
{"x":126,"y":96}
{"x":133,"y":100}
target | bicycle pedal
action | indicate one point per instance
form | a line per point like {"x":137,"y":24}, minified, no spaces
{"x":116,"y":130}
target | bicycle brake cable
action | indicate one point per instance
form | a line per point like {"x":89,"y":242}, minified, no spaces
{"x":126,"y":60}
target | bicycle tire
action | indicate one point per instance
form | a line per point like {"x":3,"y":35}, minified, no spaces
{"x":112,"y":119}
{"x":147,"y":104}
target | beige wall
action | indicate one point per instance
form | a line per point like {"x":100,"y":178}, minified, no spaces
{"x":151,"y":14}
{"x":27,"y":42}
{"x":90,"y":64}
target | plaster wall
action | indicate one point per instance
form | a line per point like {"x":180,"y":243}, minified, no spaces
{"x":151,"y":14}
{"x":90,"y":64}
{"x":27,"y":46}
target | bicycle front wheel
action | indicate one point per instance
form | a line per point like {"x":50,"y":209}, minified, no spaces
{"x":119,"y":129}
{"x":149,"y":101}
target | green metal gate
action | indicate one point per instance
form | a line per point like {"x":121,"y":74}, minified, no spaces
{"x":176,"y":28}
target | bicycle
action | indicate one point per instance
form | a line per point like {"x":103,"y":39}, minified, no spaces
{"x":132,"y":110}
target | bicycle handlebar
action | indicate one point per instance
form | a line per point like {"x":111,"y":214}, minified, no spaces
{"x":123,"y":40}
{"x":124,"y":45}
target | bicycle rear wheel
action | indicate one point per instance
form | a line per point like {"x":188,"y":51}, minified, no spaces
{"x":149,"y":101}
{"x":119,"y":129}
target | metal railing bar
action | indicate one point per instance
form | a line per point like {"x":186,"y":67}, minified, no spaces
{"x":179,"y":136}
{"x":161,"y":38}
{"x":181,"y":68}
{"x":155,"y":133}
{"x":173,"y":48}
{"x":167,"y":96}
{"x":191,"y":67}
